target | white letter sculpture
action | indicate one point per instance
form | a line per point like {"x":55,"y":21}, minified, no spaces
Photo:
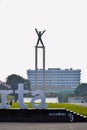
{"x":38,"y":95}
{"x":20,"y":93}
{"x":4,"y":94}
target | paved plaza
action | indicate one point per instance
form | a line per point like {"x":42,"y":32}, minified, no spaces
{"x":43,"y":126}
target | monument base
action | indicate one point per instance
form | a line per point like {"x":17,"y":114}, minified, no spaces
{"x":39,"y":115}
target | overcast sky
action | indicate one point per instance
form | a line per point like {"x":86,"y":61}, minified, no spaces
{"x":65,"y":38}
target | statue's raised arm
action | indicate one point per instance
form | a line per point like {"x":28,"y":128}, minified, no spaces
{"x":43,"y":32}
{"x":36,"y":30}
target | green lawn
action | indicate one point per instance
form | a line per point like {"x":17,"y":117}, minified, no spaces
{"x":75,"y":108}
{"x":72,"y":107}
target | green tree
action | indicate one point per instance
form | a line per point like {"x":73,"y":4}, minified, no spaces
{"x":63,"y":97}
{"x":81,"y":90}
{"x":4,"y":86}
{"x":13,"y":81}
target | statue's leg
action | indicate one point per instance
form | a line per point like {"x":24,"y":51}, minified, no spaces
{"x":37,"y":41}
{"x":41,"y":42}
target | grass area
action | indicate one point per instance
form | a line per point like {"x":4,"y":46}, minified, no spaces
{"x":72,"y":107}
{"x":16,"y":105}
{"x":75,"y":108}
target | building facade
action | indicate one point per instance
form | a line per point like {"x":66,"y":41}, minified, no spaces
{"x":56,"y":79}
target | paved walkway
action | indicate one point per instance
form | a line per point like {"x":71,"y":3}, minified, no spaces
{"x":43,"y":126}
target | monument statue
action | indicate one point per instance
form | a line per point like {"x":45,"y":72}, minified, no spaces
{"x":39,"y":33}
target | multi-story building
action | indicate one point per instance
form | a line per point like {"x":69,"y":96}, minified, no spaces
{"x":56,"y":79}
